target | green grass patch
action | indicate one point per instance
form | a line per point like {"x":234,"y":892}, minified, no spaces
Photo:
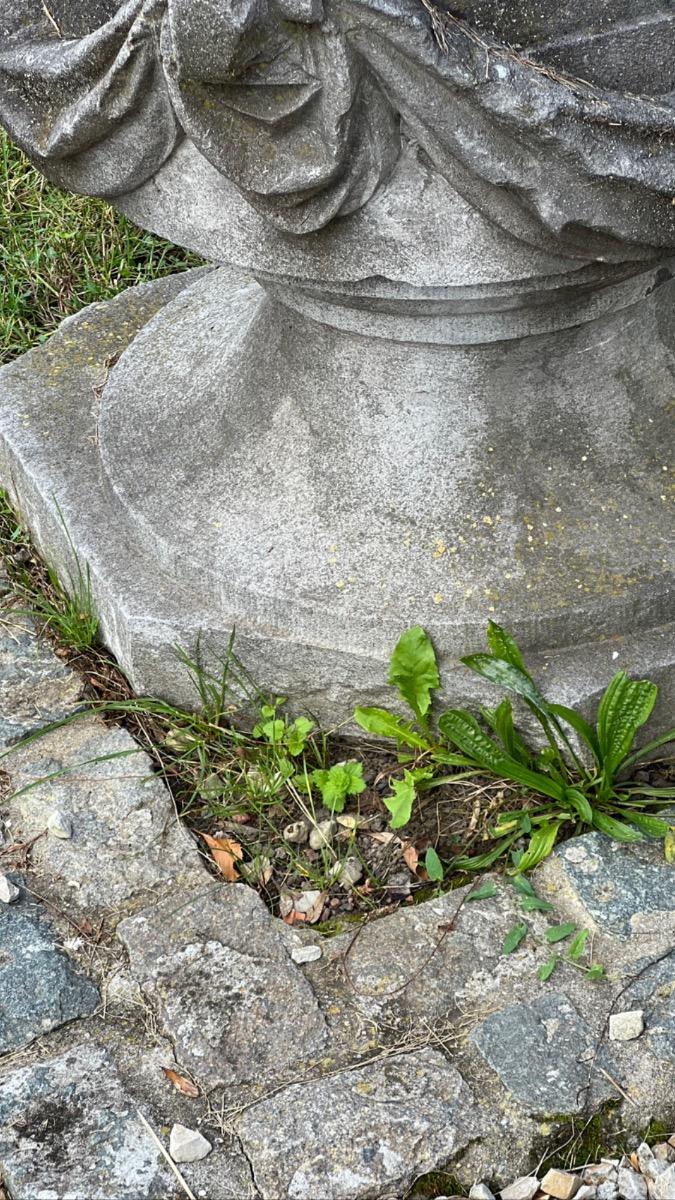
{"x":60,"y":252}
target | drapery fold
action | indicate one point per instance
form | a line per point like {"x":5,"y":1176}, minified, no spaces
{"x":302,"y":106}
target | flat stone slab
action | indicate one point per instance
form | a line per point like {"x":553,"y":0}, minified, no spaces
{"x":70,"y":1131}
{"x":366,"y":1132}
{"x":545,"y":1055}
{"x":235,"y":1006}
{"x":36,"y":687}
{"x":40,"y":988}
{"x":127,"y":847}
{"x":615,"y":888}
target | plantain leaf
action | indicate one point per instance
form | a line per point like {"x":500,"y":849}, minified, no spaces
{"x":481,"y":862}
{"x":433,"y":865}
{"x":580,"y":804}
{"x":558,"y":933}
{"x":540,"y":845}
{"x":502,"y":645}
{"x":383,"y":723}
{"x":580,"y":726}
{"x":401,"y":800}
{"x":414,"y":672}
{"x":548,"y":968}
{"x":506,"y":675}
{"x":534,"y":904}
{"x":653,"y":826}
{"x":615,"y":829}
{"x":514,"y":938}
{"x":624,"y":708}
{"x":506,"y":732}
{"x":656,"y":744}
{"x":461,"y":729}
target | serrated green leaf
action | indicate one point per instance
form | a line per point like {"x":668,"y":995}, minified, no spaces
{"x":597,"y":971}
{"x":540,"y":845}
{"x":578,"y":945}
{"x":338,"y":782}
{"x":383,"y":723}
{"x":413,"y":671}
{"x":433,"y":865}
{"x":514,"y":938}
{"x":558,"y":933}
{"x":548,"y":968}
{"x":615,"y":829}
{"x":485,"y":892}
{"x":400,"y":801}
{"x":297,"y":735}
{"x":624,"y":708}
{"x":534,"y":904}
{"x":503,"y":645}
{"x":461,"y":729}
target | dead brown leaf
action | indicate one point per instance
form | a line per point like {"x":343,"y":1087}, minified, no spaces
{"x":181,"y":1084}
{"x":383,"y":838}
{"x":226,"y":854}
{"x":411,"y":857}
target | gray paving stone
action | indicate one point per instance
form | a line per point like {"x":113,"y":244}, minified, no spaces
{"x":36,"y":687}
{"x":234,"y":1004}
{"x":127,"y":846}
{"x":70,"y":1131}
{"x":545,"y":1056}
{"x":366,"y":1132}
{"x":40,"y":988}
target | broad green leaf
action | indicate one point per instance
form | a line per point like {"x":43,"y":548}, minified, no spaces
{"x":485,"y":892}
{"x":506,"y":675}
{"x":463,"y":730}
{"x":669,"y":846}
{"x":383,"y":723}
{"x":297,"y":734}
{"x":525,"y":824}
{"x":433,"y":865}
{"x":414,"y":672}
{"x":534,"y":904}
{"x":580,"y":726}
{"x":506,"y":732}
{"x":522,"y":884}
{"x":548,"y":968}
{"x":400,"y":802}
{"x":578,"y":945}
{"x":624,"y":708}
{"x":540,"y":845}
{"x":615,"y":829}
{"x":502,"y":645}
{"x":653,"y":826}
{"x":338,"y":782}
{"x":271,"y":731}
{"x":514,"y":938}
{"x":558,"y":933}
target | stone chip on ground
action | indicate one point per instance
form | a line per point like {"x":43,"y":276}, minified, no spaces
{"x":524,"y":1188}
{"x":366,"y":1132}
{"x":560,"y":1184}
{"x":187,"y":1145}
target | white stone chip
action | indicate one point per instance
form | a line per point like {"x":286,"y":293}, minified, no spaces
{"x":480,"y":1191}
{"x":524,"y":1188}
{"x":306,"y":954}
{"x":9,"y":892}
{"x":626,"y":1026}
{"x":560,"y":1184}
{"x":322,"y":835}
{"x":60,"y":824}
{"x":187,"y":1145}
{"x":631,"y":1185}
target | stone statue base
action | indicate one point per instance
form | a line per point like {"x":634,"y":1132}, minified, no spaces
{"x":320,"y":468}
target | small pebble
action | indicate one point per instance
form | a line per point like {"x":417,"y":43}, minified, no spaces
{"x":187,"y":1145}
{"x":60,"y":825}
{"x":480,"y":1191}
{"x":305,"y":954}
{"x":587,"y":1191}
{"x":631,"y":1185}
{"x":348,"y":873}
{"x":322,"y":835}
{"x":560,"y":1184}
{"x":524,"y":1188}
{"x":626,"y":1026}
{"x":664,"y":1152}
{"x":9,"y":892}
{"x":297,"y":832}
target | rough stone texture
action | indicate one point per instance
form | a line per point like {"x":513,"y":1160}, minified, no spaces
{"x":626,"y":1026}
{"x":73,"y":1113}
{"x":360,"y":1133}
{"x":123,"y":818}
{"x":233,"y":1003}
{"x":40,"y":988}
{"x":36,"y":687}
{"x":558,"y":1073}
